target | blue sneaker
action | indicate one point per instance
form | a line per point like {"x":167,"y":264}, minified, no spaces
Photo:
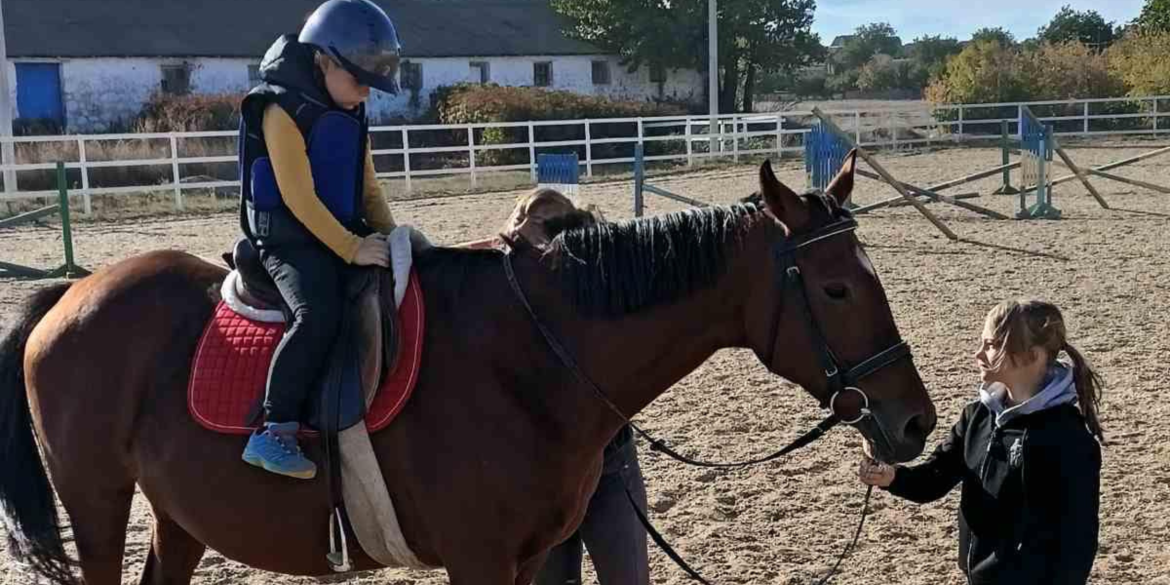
{"x":276,"y":450}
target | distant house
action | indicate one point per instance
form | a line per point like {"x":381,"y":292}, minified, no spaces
{"x":88,"y":64}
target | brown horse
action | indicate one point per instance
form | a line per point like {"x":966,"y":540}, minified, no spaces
{"x":493,"y":460}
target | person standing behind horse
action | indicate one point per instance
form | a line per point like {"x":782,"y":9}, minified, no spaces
{"x":610,"y":530}
{"x":1028,"y":458}
{"x":310,"y":201}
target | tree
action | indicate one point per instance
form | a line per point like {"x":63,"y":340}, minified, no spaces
{"x":878,"y":38}
{"x":884,"y":73}
{"x":997,"y":34}
{"x":1140,"y":61}
{"x":1087,"y":27}
{"x":929,"y":55}
{"x":988,"y":72}
{"x":755,"y":36}
{"x":1155,"y":16}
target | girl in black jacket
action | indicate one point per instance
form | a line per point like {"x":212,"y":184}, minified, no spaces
{"x":1028,"y":458}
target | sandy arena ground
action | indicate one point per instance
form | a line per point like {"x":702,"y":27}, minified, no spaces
{"x":785,"y":522}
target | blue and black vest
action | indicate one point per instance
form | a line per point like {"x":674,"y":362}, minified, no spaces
{"x":336,"y":142}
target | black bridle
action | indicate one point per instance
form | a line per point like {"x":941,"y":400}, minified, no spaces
{"x":838,"y":382}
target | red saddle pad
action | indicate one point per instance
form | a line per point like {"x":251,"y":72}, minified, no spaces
{"x":230,"y":369}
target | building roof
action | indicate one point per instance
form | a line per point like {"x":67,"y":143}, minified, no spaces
{"x":245,"y":28}
{"x":840,"y":40}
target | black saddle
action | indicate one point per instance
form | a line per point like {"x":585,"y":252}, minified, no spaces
{"x":256,"y":286}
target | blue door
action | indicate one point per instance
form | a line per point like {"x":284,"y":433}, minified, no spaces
{"x":38,"y":91}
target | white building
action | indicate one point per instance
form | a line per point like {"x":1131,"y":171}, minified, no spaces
{"x":88,"y":64}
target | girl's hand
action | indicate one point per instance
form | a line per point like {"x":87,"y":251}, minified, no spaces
{"x":373,"y":251}
{"x":874,"y":473}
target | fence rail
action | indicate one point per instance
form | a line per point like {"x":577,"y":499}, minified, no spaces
{"x":415,"y":155}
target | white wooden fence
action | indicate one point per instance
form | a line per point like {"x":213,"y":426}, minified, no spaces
{"x":736,"y":135}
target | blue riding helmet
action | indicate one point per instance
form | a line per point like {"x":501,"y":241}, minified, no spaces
{"x":359,"y":35}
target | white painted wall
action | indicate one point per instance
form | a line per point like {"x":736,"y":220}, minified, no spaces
{"x":103,"y":91}
{"x":570,"y":73}
{"x":220,"y":75}
{"x":100,"y":92}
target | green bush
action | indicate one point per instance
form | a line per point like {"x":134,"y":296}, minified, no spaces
{"x":812,"y":86}
{"x":988,"y":72}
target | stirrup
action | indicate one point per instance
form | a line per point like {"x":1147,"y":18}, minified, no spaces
{"x":338,"y":560}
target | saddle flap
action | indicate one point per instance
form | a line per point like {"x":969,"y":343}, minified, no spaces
{"x":365,"y":352}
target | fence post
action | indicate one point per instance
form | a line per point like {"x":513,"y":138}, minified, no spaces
{"x":857,"y":125}
{"x":690,"y":152}
{"x":175,"y":172}
{"x":406,"y":158}
{"x":86,"y":200}
{"x":1020,"y":121}
{"x":779,"y":136}
{"x":471,"y":155}
{"x":1155,"y":116}
{"x":1086,"y":116}
{"x":63,"y":209}
{"x":960,"y":123}
{"x":588,"y":151}
{"x":639,"y":177}
{"x":735,"y":138}
{"x":1005,"y":146}
{"x":532,"y":151}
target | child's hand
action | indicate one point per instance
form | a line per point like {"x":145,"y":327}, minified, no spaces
{"x":373,"y":251}
{"x":875,"y":473}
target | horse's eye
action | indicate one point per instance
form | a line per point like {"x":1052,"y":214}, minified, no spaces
{"x":837,"y":292}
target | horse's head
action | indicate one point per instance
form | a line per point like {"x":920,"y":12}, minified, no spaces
{"x":820,"y":318}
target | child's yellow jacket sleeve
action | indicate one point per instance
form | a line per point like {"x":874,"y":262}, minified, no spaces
{"x":290,"y":164}
{"x":377,"y":214}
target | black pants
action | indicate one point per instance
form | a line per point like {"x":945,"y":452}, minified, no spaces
{"x":611,"y":531}
{"x":309,"y":277}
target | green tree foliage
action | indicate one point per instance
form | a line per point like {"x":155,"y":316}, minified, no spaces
{"x":877,"y":38}
{"x":755,"y":36}
{"x":929,"y":56}
{"x":1140,"y":62}
{"x":1069,"y":25}
{"x":997,"y":34}
{"x":987,"y":71}
{"x":883,"y":73}
{"x":1155,"y":16}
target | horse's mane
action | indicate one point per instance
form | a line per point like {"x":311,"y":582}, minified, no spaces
{"x":615,"y":269}
{"x":618,"y":268}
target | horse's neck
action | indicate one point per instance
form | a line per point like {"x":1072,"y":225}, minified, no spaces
{"x":635,"y":358}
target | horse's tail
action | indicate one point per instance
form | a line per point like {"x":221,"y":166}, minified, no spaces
{"x":26,"y":497}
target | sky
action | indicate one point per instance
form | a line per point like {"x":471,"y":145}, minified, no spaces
{"x":957,"y":18}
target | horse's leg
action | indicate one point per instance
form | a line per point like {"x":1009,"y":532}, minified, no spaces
{"x":99,"y":517}
{"x":174,"y":554}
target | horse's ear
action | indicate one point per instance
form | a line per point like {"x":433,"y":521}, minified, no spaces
{"x":783,"y":202}
{"x":841,"y":186}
